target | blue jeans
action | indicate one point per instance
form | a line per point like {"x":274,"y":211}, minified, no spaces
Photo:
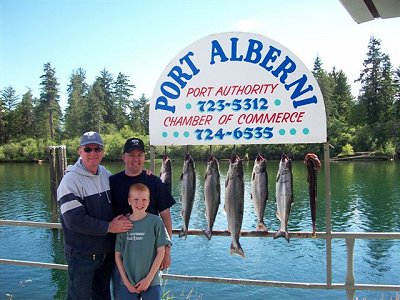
{"x":121,"y":292}
{"x":89,"y":275}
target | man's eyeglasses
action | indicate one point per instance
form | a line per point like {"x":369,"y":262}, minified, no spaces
{"x":97,"y":149}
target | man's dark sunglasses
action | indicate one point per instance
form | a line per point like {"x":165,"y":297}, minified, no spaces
{"x":88,"y":149}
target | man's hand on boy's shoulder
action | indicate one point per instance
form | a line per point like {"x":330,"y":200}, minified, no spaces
{"x":119,"y":224}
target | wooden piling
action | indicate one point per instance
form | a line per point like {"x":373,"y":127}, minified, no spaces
{"x":58,"y":165}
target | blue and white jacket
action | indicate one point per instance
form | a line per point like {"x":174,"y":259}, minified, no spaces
{"x":85,"y":210}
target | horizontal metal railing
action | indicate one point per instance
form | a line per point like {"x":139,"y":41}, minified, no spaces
{"x":294,"y":234}
{"x":350,"y":286}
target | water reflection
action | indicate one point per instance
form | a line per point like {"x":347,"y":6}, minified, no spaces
{"x":365,"y":197}
{"x":58,"y":277}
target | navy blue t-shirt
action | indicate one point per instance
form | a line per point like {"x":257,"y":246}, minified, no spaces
{"x":160,"y":198}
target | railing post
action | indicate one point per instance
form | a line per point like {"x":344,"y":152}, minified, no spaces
{"x":328,"y":215}
{"x":152,"y":159}
{"x":58,"y":164}
{"x":350,"y":290}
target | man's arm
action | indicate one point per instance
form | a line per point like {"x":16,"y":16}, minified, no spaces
{"x":167,"y":220}
{"x":77,"y":218}
{"x":79,"y":221}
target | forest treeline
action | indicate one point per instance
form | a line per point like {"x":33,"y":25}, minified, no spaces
{"x":30,"y":123}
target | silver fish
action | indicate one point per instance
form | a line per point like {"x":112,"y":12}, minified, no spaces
{"x":166,"y":173}
{"x":212,"y":193}
{"x":234,"y":202}
{"x":284,"y":195}
{"x":259,"y":190}
{"x":188,"y":187}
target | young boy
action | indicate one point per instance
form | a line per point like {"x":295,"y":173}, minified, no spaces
{"x":140,"y":251}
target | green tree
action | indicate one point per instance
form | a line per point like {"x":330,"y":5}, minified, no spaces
{"x":94,"y":109}
{"x":105,"y":83}
{"x":396,"y":105}
{"x":326,"y":85}
{"x":49,"y":100}
{"x":8,"y":100}
{"x":139,"y":118}
{"x":371,"y":84}
{"x":377,"y":95}
{"x":388,"y":89}
{"x":396,"y":82}
{"x":145,"y":116}
{"x":122,"y":95}
{"x":342,"y":100}
{"x":134,"y":116}
{"x":3,"y":124}
{"x":388,"y":93}
{"x":24,"y":116}
{"x":339,"y":130}
{"x":74,"y":113}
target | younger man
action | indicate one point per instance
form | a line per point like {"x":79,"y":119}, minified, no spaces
{"x":140,"y":251}
{"x":160,"y":199}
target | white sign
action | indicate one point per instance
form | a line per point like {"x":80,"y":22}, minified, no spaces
{"x":236,"y":88}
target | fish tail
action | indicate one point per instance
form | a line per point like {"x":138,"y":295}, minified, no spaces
{"x":183,"y":232}
{"x":262,"y":227}
{"x":282,"y":233}
{"x":208,"y":233}
{"x":237,"y":250}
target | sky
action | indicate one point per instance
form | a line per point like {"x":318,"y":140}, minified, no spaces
{"x":140,"y":38}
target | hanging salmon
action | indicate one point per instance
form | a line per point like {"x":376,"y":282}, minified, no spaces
{"x":166,"y":173}
{"x":212,"y":193}
{"x":313,"y":166}
{"x":234,"y":202}
{"x":188,"y":187}
{"x":259,"y":190}
{"x":284,"y":195}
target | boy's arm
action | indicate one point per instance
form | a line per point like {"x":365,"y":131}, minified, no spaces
{"x":143,"y":284}
{"x":124,"y":277}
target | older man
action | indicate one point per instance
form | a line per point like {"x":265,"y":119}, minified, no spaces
{"x":88,"y":222}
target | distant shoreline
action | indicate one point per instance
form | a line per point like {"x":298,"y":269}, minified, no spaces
{"x":358,"y":156}
{"x":362,"y":156}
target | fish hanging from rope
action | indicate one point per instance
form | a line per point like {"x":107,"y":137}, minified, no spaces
{"x":234,"y":202}
{"x":188,"y":188}
{"x":313,"y":166}
{"x":166,"y":173}
{"x":284,"y":195}
{"x":212,"y":193}
{"x":259,"y":190}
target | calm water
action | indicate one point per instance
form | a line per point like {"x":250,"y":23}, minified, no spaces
{"x":365,"y":197}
